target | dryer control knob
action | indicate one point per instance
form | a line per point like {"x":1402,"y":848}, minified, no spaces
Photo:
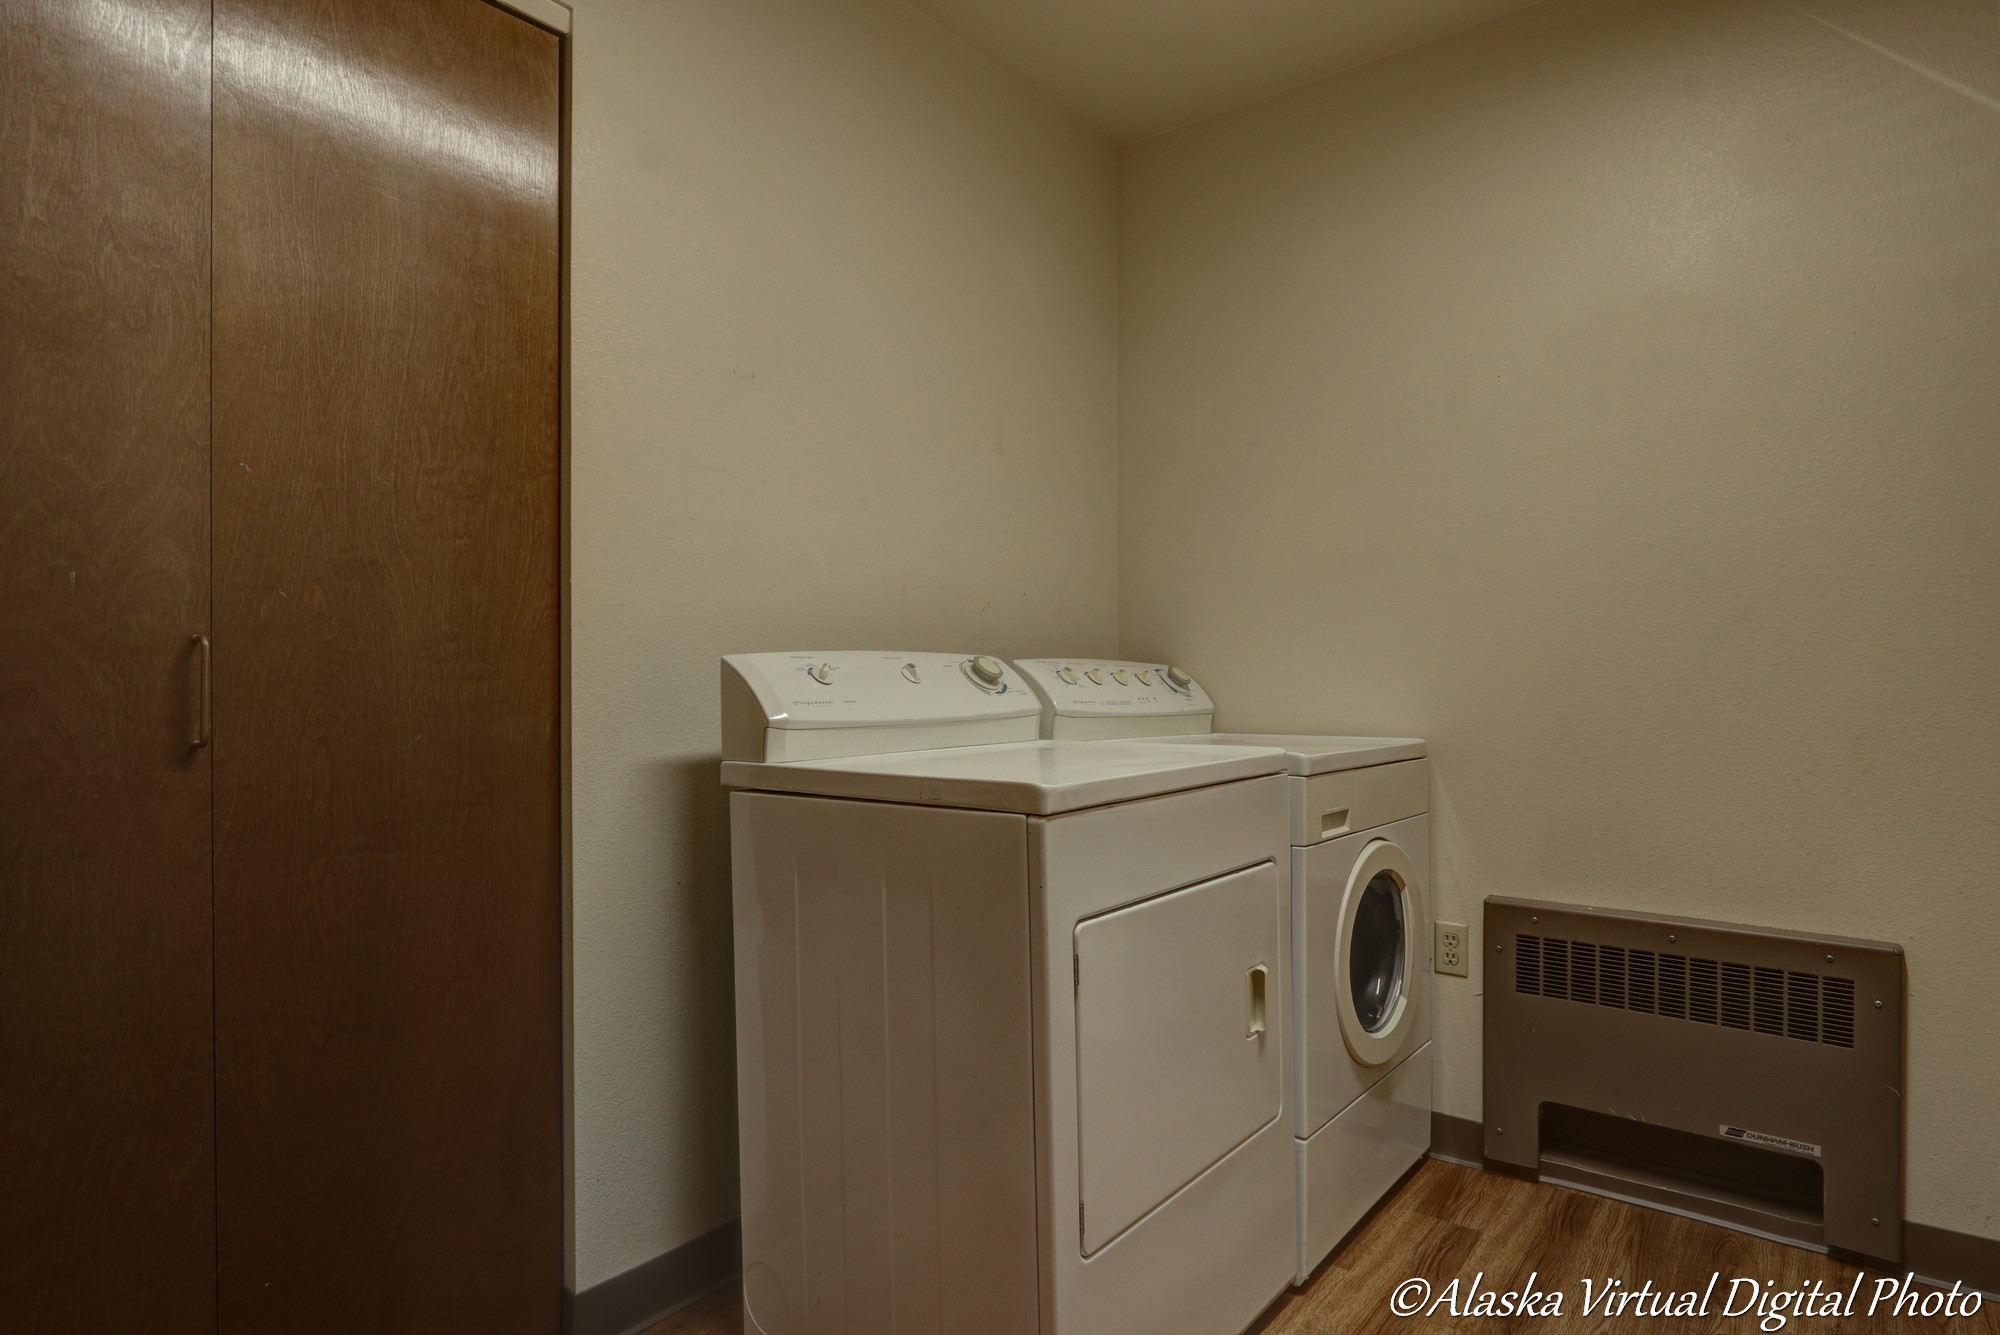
{"x":1096,"y":676}
{"x":911,"y":675}
{"x":1066,"y":675}
{"x":1146,"y":677}
{"x":1118,"y":675}
{"x":986,"y":671}
{"x":821,"y":673}
{"x":1180,"y":679}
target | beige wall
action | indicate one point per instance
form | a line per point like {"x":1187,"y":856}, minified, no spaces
{"x":1607,"y":393}
{"x":1610,"y":394}
{"x":843,"y":373}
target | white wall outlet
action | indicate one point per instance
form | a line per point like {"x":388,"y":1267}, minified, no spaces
{"x":1453,"y":948}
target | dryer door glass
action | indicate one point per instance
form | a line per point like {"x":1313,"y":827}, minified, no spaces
{"x":1375,"y":951}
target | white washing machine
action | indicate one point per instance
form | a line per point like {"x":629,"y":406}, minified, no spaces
{"x":1011,"y":1048}
{"x":1358,"y":812}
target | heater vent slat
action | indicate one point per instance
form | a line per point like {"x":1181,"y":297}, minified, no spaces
{"x":1782,"y":1003}
{"x":1802,"y":1006}
{"x":1837,"y":1012}
{"x":1736,"y":995}
{"x":1704,"y":990}
{"x":1611,"y":976}
{"x":1674,"y":986}
{"x":1642,"y":989}
{"x":1528,"y":965}
{"x":1770,"y":1000}
{"x":1555,"y":967}
{"x":1583,"y":972}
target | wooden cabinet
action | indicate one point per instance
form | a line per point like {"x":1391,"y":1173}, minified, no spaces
{"x":106,"y":1077}
{"x":280,"y":1018}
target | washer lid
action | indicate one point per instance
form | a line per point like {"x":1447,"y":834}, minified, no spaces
{"x":1033,"y":778}
{"x":1306,"y":754}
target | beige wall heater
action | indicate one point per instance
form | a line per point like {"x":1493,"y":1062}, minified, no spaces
{"x":1747,"y":1076}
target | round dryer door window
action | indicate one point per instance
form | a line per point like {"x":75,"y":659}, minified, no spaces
{"x":1376,"y":953}
{"x":1376,"y":948}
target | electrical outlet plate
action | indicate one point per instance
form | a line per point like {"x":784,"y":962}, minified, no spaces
{"x":1453,"y":948}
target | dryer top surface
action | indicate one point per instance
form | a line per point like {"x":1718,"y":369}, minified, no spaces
{"x":1032,"y":778}
{"x":1307,"y":754}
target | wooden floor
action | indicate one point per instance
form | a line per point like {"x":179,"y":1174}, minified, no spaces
{"x":1448,"y":1222}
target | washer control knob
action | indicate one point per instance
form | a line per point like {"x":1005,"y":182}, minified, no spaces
{"x":1118,"y":675}
{"x":986,"y":671}
{"x":821,"y":673}
{"x":911,"y":675}
{"x":1180,"y":679}
{"x":1066,"y":675}
{"x":1146,"y":677}
{"x":1096,"y":675}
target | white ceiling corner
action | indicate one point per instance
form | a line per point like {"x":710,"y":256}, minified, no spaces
{"x":1130,"y":69}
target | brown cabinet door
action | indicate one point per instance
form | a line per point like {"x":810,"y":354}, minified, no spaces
{"x":106,"y":1057}
{"x":386,"y":656}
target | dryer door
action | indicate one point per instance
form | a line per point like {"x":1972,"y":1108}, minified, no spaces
{"x":1178,"y":1030}
{"x":1376,"y":952}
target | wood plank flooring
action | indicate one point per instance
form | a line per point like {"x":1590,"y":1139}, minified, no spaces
{"x":1451,"y":1222}
{"x":1447,"y":1222}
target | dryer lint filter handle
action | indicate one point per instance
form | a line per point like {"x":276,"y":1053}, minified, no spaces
{"x":1093,"y":699}
{"x":820,"y":704}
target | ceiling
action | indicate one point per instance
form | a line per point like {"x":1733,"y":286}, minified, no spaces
{"x":1133,"y":68}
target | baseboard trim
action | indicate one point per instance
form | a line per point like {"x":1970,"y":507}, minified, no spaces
{"x":1458,"y":1140}
{"x":1939,"y":1256}
{"x":654,"y":1290}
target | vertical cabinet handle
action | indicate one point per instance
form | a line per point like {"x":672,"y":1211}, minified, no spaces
{"x":1253,"y":1021}
{"x":207,"y":696}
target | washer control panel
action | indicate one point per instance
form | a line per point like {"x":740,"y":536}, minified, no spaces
{"x":818,"y":704}
{"x":1096,"y":698}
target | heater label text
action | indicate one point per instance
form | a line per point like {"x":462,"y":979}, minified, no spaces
{"x":1775,"y":1142}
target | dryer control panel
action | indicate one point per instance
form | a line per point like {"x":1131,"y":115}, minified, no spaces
{"x":1090,"y":699}
{"x":818,"y":704}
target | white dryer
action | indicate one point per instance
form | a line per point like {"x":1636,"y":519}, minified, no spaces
{"x":1358,"y":812}
{"x":1010,"y":1045}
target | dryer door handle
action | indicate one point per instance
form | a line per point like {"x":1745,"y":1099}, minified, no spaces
{"x":1253,"y":1021}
